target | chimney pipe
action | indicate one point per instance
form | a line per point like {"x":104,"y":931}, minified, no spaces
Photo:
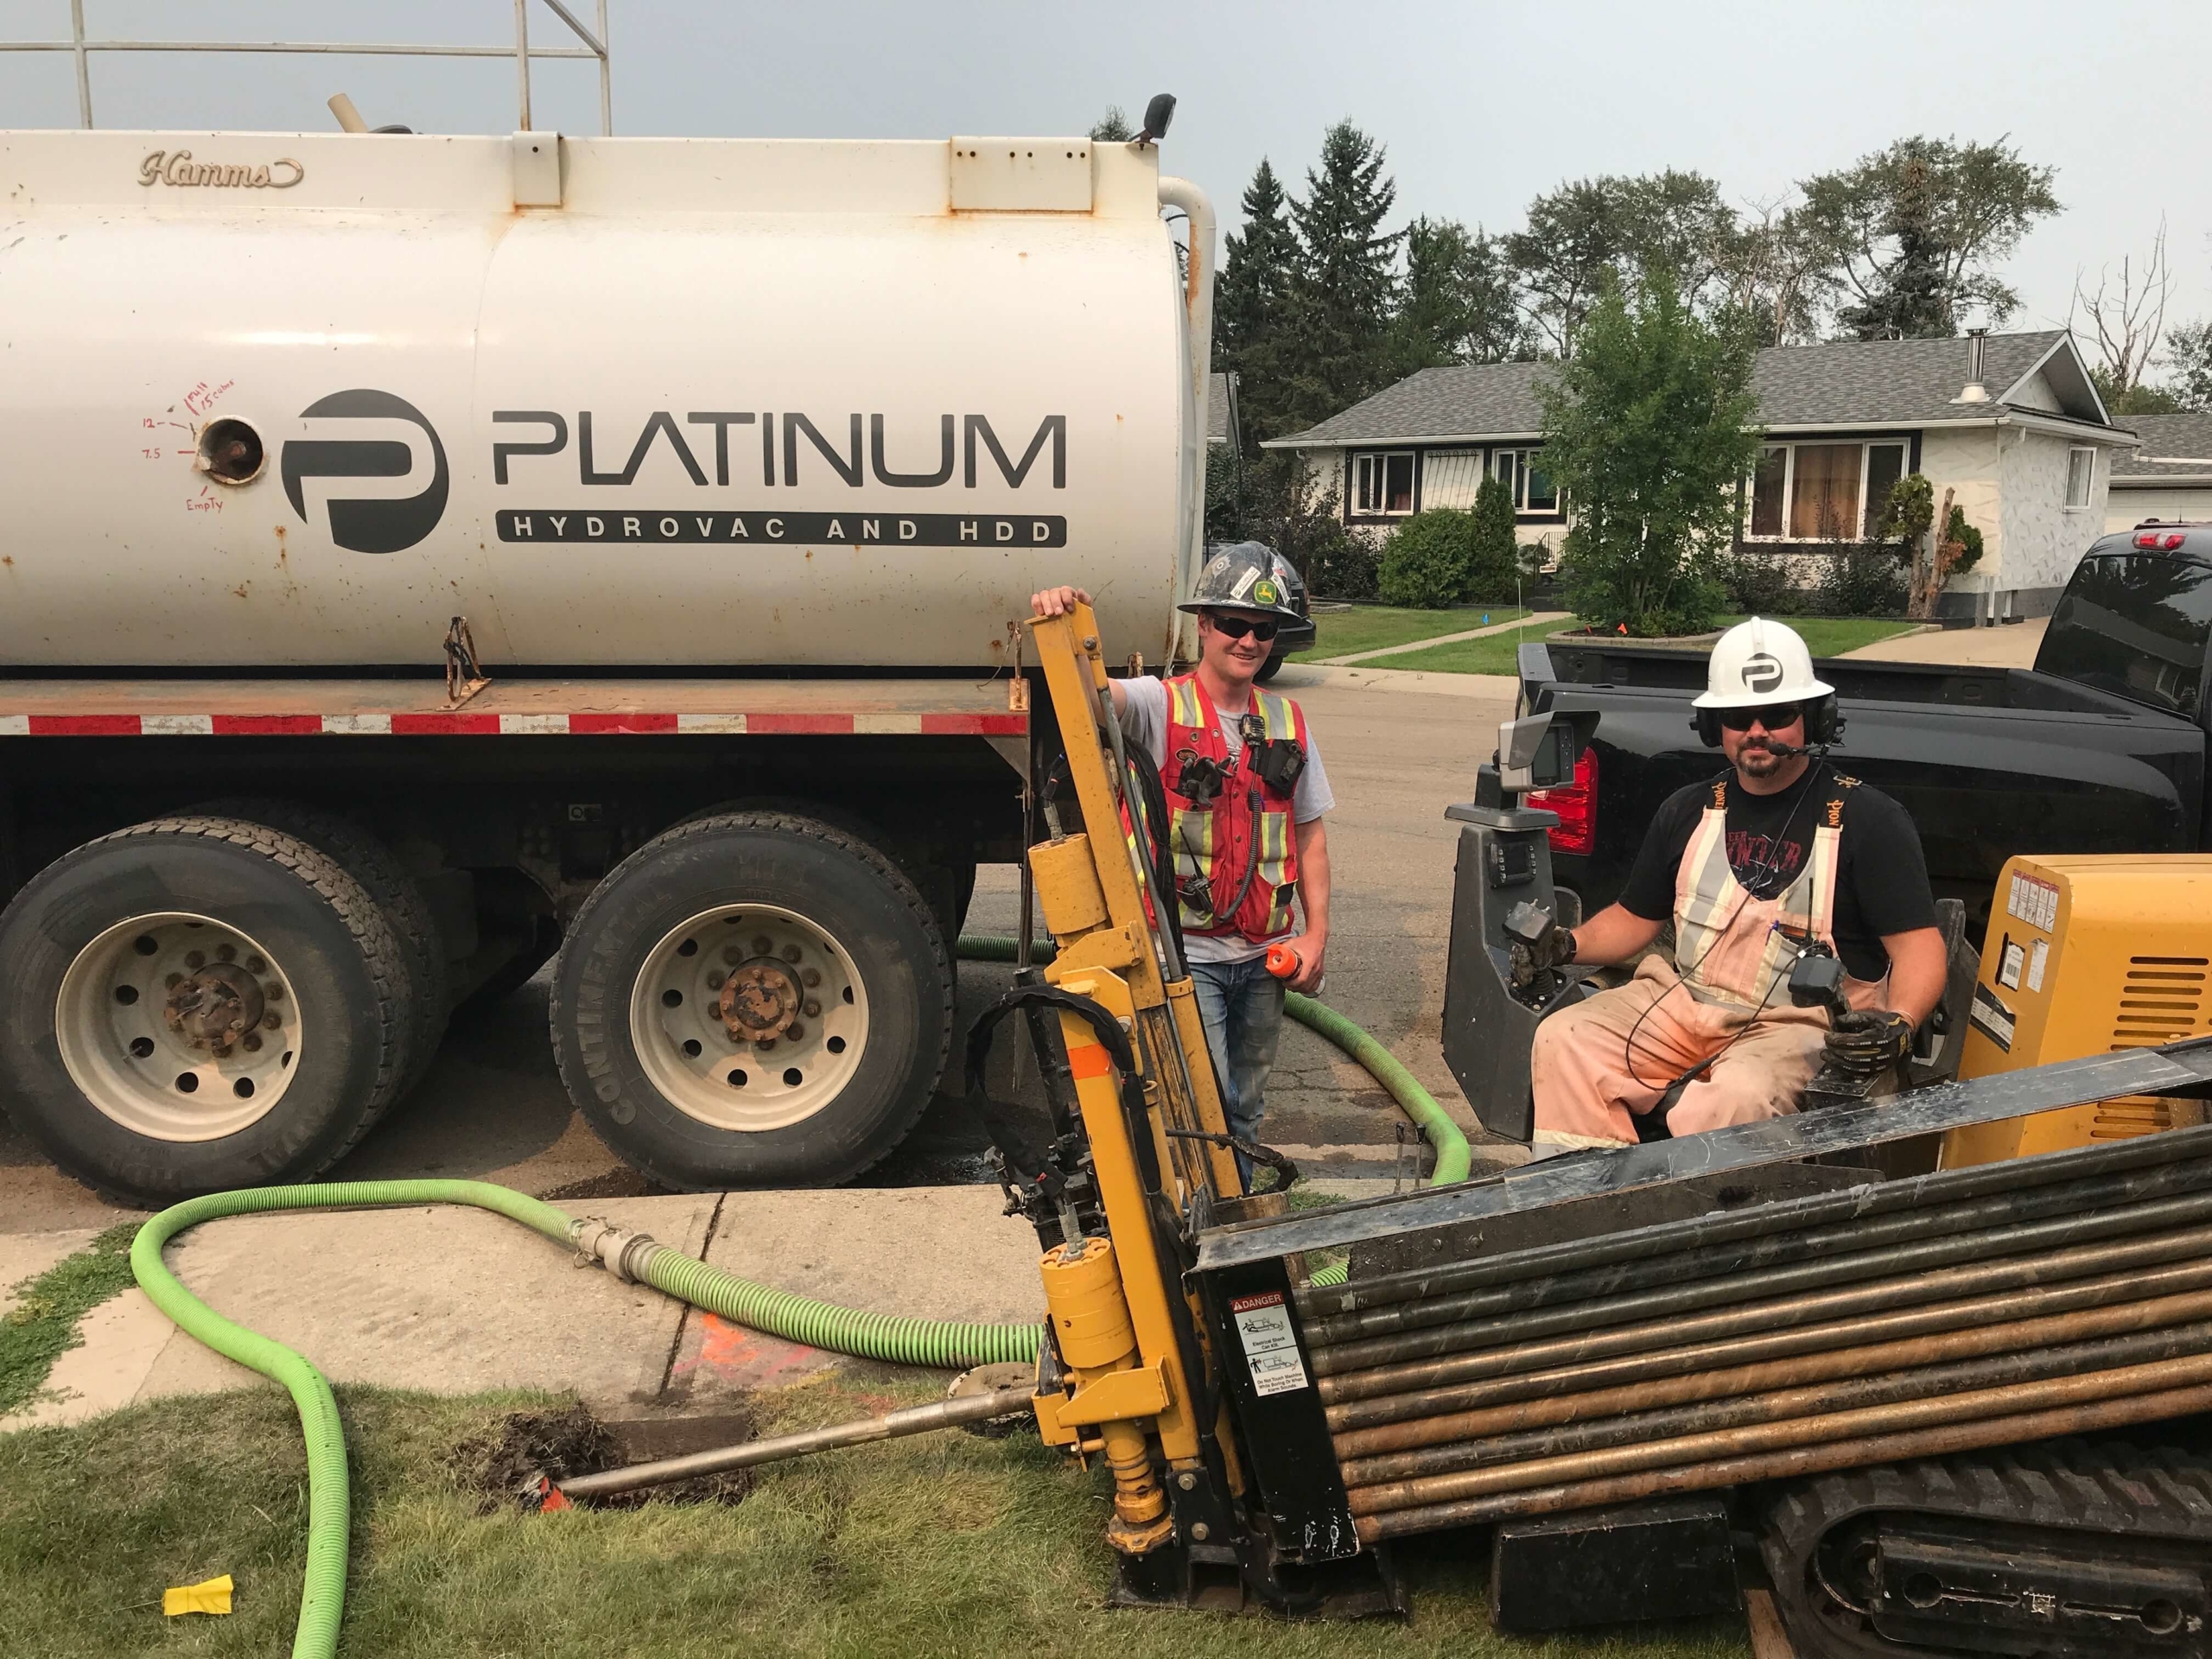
{"x":1975,"y":391}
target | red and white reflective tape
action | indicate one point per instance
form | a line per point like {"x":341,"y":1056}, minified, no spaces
{"x":465,"y":723}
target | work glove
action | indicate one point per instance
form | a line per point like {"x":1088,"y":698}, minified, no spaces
{"x":1866,"y":1043}
{"x":1553,"y":948}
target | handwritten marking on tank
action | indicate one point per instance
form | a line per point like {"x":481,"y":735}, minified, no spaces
{"x":176,"y":167}
{"x":203,"y":396}
{"x":883,"y":530}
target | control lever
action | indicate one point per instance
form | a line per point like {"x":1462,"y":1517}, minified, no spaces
{"x":1537,"y":947}
{"x":1816,"y":981}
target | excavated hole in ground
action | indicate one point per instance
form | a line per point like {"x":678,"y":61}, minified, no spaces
{"x":569,"y":1440}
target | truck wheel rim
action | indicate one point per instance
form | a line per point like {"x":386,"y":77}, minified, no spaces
{"x":749,"y":1018}
{"x":179,"y":1028}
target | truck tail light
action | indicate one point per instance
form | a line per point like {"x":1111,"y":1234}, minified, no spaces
{"x":1576,"y":805}
{"x":2154,"y":541}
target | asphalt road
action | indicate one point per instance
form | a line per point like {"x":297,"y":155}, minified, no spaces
{"x":1399,"y":748}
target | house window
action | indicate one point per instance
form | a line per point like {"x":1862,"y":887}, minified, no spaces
{"x":1823,"y":491}
{"x":1382,"y":483}
{"x":2081,"y":471}
{"x":1533,"y":492}
{"x":1449,"y":478}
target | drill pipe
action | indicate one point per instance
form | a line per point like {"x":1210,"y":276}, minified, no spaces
{"x":1447,"y":1304}
{"x":2039,"y":1238}
{"x":2017,"y":1177}
{"x":1866,"y":1388}
{"x":1376,"y":1444}
{"x":1752,"y":1439}
{"x":1773,"y":1316}
{"x":1793,"y":1462}
{"x":913,"y":1420}
{"x":1583,"y":1363}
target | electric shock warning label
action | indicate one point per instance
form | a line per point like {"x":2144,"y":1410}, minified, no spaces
{"x":1270,"y":1349}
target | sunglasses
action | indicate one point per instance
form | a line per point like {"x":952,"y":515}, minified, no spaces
{"x":1776,"y":718}
{"x":1262,"y":628}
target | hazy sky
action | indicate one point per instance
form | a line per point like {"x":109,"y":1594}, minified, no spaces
{"x":1481,"y":105}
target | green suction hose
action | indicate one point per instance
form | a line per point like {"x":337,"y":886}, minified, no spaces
{"x":795,"y":1319}
{"x":1451,"y":1157}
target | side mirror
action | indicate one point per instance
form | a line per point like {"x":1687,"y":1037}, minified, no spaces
{"x":1539,"y":751}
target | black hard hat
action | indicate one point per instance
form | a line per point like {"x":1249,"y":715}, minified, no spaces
{"x":1243,"y":576}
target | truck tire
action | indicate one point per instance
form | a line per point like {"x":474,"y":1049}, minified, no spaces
{"x":196,"y":1004}
{"x":363,"y":855}
{"x":840,"y":1039}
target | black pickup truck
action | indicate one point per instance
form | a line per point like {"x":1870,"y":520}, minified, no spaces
{"x":2098,"y":749}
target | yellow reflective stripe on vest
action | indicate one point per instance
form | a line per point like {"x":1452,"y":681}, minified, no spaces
{"x":1187,"y":710}
{"x":1278,"y":715}
{"x":1276,"y":840}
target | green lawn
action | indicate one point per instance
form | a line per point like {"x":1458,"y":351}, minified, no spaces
{"x":1831,"y":636}
{"x":944,"y":1544}
{"x":1371,"y":627}
{"x":1824,"y":636}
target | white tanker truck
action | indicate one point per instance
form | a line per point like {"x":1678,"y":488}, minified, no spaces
{"x":738,"y":460}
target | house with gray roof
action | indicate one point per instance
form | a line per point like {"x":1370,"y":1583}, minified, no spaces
{"x":2167,"y":475}
{"x":2011,"y":424}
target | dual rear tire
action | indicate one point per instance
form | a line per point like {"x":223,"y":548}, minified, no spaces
{"x":234,"y":997}
{"x":196,"y":1003}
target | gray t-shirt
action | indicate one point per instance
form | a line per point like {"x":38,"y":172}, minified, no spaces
{"x":1144,"y":722}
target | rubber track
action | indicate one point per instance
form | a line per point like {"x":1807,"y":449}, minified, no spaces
{"x":365,"y":857}
{"x":2110,"y":1488}
{"x":363,"y":918}
{"x":864,"y":852}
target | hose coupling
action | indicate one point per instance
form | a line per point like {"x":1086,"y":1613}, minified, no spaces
{"x":621,"y":1252}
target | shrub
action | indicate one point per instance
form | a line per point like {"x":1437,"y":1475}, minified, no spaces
{"x":1491,"y":572}
{"x":1965,"y":536}
{"x":1340,"y":566}
{"x":1428,"y":562}
{"x":1863,"y":579}
{"x":1763,"y":584}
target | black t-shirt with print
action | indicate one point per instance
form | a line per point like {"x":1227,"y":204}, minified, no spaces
{"x":1881,"y":878}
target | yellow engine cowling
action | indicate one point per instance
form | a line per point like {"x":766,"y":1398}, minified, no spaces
{"x":2087,"y":955}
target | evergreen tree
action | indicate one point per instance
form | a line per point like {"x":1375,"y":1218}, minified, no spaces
{"x":1457,"y":304}
{"x":1495,"y":563}
{"x":1251,"y":304}
{"x":1346,"y":286}
{"x":1113,"y":127}
{"x":1919,"y":229}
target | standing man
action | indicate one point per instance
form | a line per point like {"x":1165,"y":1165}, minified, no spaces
{"x":1246,"y":796}
{"x":1777,"y":853}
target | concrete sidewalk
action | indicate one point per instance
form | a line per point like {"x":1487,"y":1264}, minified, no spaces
{"x":455,"y":1300}
{"x":1533,"y":619}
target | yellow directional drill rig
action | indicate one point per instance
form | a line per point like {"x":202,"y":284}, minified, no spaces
{"x":1938,"y":1411}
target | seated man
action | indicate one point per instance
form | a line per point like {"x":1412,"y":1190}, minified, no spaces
{"x":1780,"y":850}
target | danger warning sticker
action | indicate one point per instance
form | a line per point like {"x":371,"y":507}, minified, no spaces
{"x":1270,"y":1347}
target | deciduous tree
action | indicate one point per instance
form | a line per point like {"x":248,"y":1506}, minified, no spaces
{"x":1648,"y":429}
{"x":1592,"y":230}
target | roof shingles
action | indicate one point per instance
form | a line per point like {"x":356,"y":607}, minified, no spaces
{"x":1870,"y":383}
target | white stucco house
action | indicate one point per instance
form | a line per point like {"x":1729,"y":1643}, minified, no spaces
{"x":2167,"y":475}
{"x":2011,"y":423}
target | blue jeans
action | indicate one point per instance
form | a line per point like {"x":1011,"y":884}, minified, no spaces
{"x":1240,"y":1004}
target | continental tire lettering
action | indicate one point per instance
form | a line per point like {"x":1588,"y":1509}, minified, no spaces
{"x":846,"y":529}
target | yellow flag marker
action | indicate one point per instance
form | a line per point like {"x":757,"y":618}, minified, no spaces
{"x":210,"y":1596}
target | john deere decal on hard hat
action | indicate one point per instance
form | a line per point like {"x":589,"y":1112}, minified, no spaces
{"x":1266,"y":593}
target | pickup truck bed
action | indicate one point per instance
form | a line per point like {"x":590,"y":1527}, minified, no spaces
{"x":1988,"y":762}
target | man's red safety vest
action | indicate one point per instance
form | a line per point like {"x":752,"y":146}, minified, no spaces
{"x":1236,"y":858}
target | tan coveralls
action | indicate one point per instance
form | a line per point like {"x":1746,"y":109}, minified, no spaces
{"x":1732,"y":956}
